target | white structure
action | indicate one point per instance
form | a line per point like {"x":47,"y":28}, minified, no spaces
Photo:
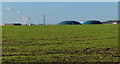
{"x":112,"y":22}
{"x":25,"y":19}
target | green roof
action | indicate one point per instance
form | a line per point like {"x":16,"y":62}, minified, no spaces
{"x":93,"y":22}
{"x":69,"y":23}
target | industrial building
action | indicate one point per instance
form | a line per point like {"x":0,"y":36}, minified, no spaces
{"x":12,"y":24}
{"x":112,"y":22}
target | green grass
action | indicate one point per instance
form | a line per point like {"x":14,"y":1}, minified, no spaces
{"x":60,"y":43}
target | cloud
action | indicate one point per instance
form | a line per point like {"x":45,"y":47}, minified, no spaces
{"x":8,"y":8}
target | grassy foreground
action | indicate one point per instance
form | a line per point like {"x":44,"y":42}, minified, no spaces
{"x":60,"y":43}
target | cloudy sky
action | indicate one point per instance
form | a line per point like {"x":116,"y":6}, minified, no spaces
{"x":58,"y":11}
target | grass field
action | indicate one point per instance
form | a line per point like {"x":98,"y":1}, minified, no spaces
{"x":60,"y":43}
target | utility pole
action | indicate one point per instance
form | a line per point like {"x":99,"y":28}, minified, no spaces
{"x":118,"y":11}
{"x":44,"y":20}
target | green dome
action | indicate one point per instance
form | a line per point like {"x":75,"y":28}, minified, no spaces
{"x":93,"y":22}
{"x":69,"y":23}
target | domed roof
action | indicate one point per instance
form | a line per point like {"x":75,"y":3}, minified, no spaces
{"x":69,"y":23}
{"x":92,"y":22}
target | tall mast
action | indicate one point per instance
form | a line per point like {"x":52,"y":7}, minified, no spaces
{"x":44,"y":20}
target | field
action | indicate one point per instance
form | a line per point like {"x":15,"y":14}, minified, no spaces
{"x":60,"y":43}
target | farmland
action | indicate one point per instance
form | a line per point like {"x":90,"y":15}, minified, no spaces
{"x":60,"y":43}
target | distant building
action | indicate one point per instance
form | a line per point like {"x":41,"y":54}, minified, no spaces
{"x":41,"y":24}
{"x":112,"y":22}
{"x":69,"y":23}
{"x":12,"y":24}
{"x":92,"y":22}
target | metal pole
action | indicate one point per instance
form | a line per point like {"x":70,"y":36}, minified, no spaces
{"x":44,"y":20}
